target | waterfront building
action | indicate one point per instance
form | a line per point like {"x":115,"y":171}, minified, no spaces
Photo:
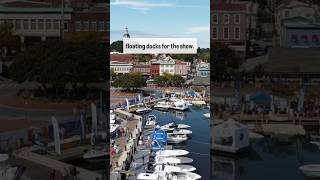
{"x":122,"y":63}
{"x":144,"y":69}
{"x":203,"y":69}
{"x":163,"y":64}
{"x":182,"y":68}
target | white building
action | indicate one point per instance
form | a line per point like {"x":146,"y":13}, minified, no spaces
{"x":230,"y":136}
{"x":166,"y":64}
{"x":122,"y":63}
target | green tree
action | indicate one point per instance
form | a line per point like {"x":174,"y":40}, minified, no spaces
{"x":130,"y":81}
{"x":177,"y":80}
{"x":8,"y":41}
{"x":117,"y":46}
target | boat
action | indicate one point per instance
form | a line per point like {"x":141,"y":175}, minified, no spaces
{"x":207,"y":115}
{"x":148,"y":176}
{"x":254,"y":135}
{"x":162,"y":105}
{"x":172,"y":126}
{"x":96,"y":155}
{"x":180,"y":105}
{"x":113,"y":128}
{"x":174,"y":168}
{"x":151,"y":121}
{"x":170,"y":153}
{"x":173,"y":160}
{"x":112,"y":117}
{"x":143,"y":109}
{"x":177,"y":138}
{"x":315,"y":139}
{"x":179,"y":131}
{"x":311,"y":170}
{"x":183,"y":176}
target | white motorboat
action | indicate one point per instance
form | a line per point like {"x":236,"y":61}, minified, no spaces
{"x":113,"y":128}
{"x":207,"y":115}
{"x":175,"y":168}
{"x":311,"y":170}
{"x":96,"y":155}
{"x":148,"y":176}
{"x":143,"y":109}
{"x":315,"y":139}
{"x":182,"y":176}
{"x":174,"y":99}
{"x":151,"y":121}
{"x":173,"y":160}
{"x":188,"y":103}
{"x":179,"y":131}
{"x":170,"y":153}
{"x":177,"y":138}
{"x":112,"y":117}
{"x":180,"y":105}
{"x":172,"y":126}
{"x":162,"y":105}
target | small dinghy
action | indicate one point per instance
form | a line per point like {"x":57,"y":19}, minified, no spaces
{"x":173,"y":160}
{"x":177,"y":138}
{"x":311,"y":170}
{"x":176,"y":168}
{"x":170,"y":153}
{"x":147,"y":176}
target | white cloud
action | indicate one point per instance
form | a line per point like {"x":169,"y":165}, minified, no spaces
{"x":199,"y":29}
{"x":142,"y":5}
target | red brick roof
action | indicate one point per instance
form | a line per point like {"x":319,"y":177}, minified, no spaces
{"x":181,"y":62}
{"x":228,"y":7}
{"x":123,"y":58}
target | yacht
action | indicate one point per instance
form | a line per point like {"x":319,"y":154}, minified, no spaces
{"x":180,"y":105}
{"x":174,"y":168}
{"x":143,"y":110}
{"x":151,"y":121}
{"x":162,"y":105}
{"x":207,"y":115}
{"x":170,"y":153}
{"x":96,"y":155}
{"x":311,"y":170}
{"x":179,"y":131}
{"x":177,"y":138}
{"x":183,"y":176}
{"x":148,"y":176}
{"x":173,"y":160}
{"x":172,"y":126}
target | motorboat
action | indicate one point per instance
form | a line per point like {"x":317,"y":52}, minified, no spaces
{"x":177,"y":138}
{"x":188,"y":103}
{"x":255,"y":136}
{"x":183,"y":176}
{"x":148,"y":176}
{"x":172,"y":126}
{"x":170,"y":153}
{"x":180,"y":105}
{"x":113,"y":128}
{"x":151,"y":121}
{"x":143,"y":109}
{"x":96,"y":155}
{"x":173,"y":160}
{"x":179,"y":131}
{"x":174,"y":168}
{"x":207,"y":115}
{"x":311,"y":170}
{"x":315,"y":139}
{"x":112,"y":117}
{"x":163,"y":105}
{"x":174,"y":99}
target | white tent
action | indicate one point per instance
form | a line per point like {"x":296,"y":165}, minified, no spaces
{"x":230,"y":136}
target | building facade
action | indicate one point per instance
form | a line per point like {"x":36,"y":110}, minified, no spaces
{"x":144,"y":69}
{"x":203,"y":69}
{"x":122,"y":63}
{"x":182,"y":68}
{"x":155,"y":69}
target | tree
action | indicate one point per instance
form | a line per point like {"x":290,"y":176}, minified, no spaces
{"x":225,"y":60}
{"x":117,"y":46}
{"x":169,"y":80}
{"x":8,"y":41}
{"x":112,"y":73}
{"x":160,"y":80}
{"x":130,"y":81}
{"x":177,"y":80}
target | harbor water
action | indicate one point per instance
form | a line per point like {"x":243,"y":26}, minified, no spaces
{"x":199,"y":143}
{"x":269,"y":158}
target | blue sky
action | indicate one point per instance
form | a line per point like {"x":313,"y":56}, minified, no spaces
{"x":161,"y":18}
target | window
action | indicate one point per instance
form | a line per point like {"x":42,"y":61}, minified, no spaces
{"x":226,"y":19}
{"x":286,"y":13}
{"x":237,"y":33}
{"x":214,"y":33}
{"x":100,"y":26}
{"x":33,"y":24}
{"x":78,"y":25}
{"x":93,"y":26}
{"x":65,"y":26}
{"x":40,"y":24}
{"x":25,"y":24}
{"x":225,"y":33}
{"x":237,"y":19}
{"x":215,"y":19}
{"x":56,"y":24}
{"x":18,"y":24}
{"x":48,"y":23}
{"x":86,"y":25}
